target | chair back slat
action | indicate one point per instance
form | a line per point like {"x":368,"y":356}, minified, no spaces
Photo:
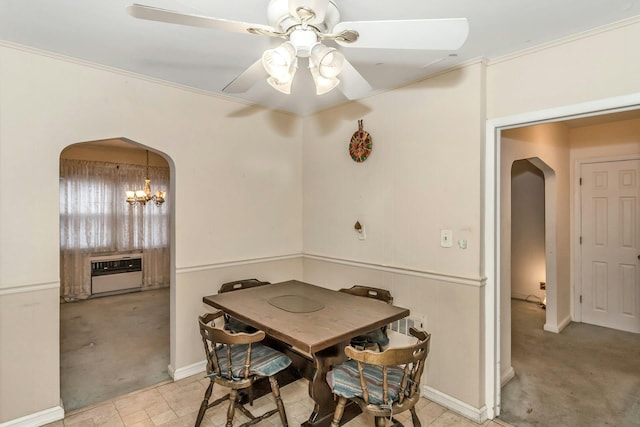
{"x":229,"y":364}
{"x":213,"y":365}
{"x":410,"y":359}
{"x":215,"y":339}
{"x":240,"y":284}
{"x":369,"y":292}
{"x":229,"y":361}
{"x":247,"y":362}
{"x":232,"y":324}
{"x":385,"y":386}
{"x":406,"y":379}
{"x":363,"y":383}
{"x":378,"y":337}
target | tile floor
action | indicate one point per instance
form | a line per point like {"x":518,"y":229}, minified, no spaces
{"x":176,"y":404}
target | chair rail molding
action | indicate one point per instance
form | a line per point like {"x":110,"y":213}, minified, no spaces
{"x":445,"y":277}
{"x":235,"y":263}
{"x":33,"y":287}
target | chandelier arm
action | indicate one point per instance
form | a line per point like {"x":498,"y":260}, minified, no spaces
{"x":143,"y":196}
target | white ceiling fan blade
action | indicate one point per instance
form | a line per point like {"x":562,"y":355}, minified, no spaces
{"x":352,"y":84}
{"x":162,"y":15}
{"x":420,"y":34}
{"x":247,"y":78}
{"x":319,"y":7}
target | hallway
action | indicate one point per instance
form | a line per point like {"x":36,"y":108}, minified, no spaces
{"x":584,"y":376}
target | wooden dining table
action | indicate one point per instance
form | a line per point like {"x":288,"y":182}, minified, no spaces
{"x":311,"y":321}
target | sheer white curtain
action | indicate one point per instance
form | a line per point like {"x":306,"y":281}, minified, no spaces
{"x":96,"y":220}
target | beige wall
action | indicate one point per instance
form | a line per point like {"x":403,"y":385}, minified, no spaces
{"x":206,"y":281}
{"x":527,"y":232}
{"x":239,"y":188}
{"x":605,"y":140}
{"x":598,"y":66}
{"x":548,"y":147}
{"x":29,"y":359}
{"x":112,"y":151}
{"x":237,"y":191}
{"x":422,"y":176}
{"x":451,"y":311}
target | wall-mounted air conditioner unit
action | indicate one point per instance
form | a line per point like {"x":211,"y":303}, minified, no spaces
{"x":116,"y":274}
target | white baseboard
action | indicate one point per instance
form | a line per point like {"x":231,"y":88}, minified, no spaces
{"x":507,"y":376}
{"x":565,"y":322}
{"x":37,"y":419}
{"x":455,"y":405}
{"x":187,"y":371}
{"x":557,"y":329}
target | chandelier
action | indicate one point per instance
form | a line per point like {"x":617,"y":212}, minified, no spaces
{"x":135,"y":197}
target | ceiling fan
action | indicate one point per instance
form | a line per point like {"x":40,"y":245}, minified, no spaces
{"x":304,"y":25}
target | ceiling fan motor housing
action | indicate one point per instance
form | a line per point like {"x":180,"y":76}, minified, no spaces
{"x":303,"y":40}
{"x":281,"y":19}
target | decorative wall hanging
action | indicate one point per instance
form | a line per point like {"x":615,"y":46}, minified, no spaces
{"x":360,"y":145}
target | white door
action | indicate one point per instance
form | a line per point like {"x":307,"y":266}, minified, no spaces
{"x":610,"y":205}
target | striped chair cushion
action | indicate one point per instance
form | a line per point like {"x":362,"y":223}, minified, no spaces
{"x":344,"y":381}
{"x":265,"y":361}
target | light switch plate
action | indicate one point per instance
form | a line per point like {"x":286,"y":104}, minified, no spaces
{"x":362,"y":235}
{"x":446,"y":238}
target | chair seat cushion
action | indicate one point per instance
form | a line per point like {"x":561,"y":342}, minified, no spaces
{"x":344,"y":381}
{"x":265,"y":361}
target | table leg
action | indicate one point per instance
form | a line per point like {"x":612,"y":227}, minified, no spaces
{"x":320,"y":391}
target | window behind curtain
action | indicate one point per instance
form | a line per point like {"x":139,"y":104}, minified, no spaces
{"x":95,"y":219}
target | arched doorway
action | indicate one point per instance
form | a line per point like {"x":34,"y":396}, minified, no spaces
{"x":116,"y":269}
{"x":528,"y":258}
{"x":492,"y":263}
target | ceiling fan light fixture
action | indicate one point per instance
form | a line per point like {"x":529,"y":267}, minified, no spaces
{"x":323,"y":84}
{"x":328,"y":60}
{"x":284,"y":87}
{"x":305,"y":24}
{"x":280,"y":62}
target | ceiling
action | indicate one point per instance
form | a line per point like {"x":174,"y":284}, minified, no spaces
{"x":100,"y":31}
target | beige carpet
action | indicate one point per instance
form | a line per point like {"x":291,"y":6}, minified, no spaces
{"x":584,"y":376}
{"x":113,"y":345}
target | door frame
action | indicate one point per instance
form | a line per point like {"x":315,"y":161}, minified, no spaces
{"x":577,"y":218}
{"x":491,"y":221}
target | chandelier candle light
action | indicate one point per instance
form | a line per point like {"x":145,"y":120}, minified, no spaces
{"x":141,"y":197}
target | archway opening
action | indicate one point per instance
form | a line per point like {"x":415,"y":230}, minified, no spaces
{"x":116,"y":271}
